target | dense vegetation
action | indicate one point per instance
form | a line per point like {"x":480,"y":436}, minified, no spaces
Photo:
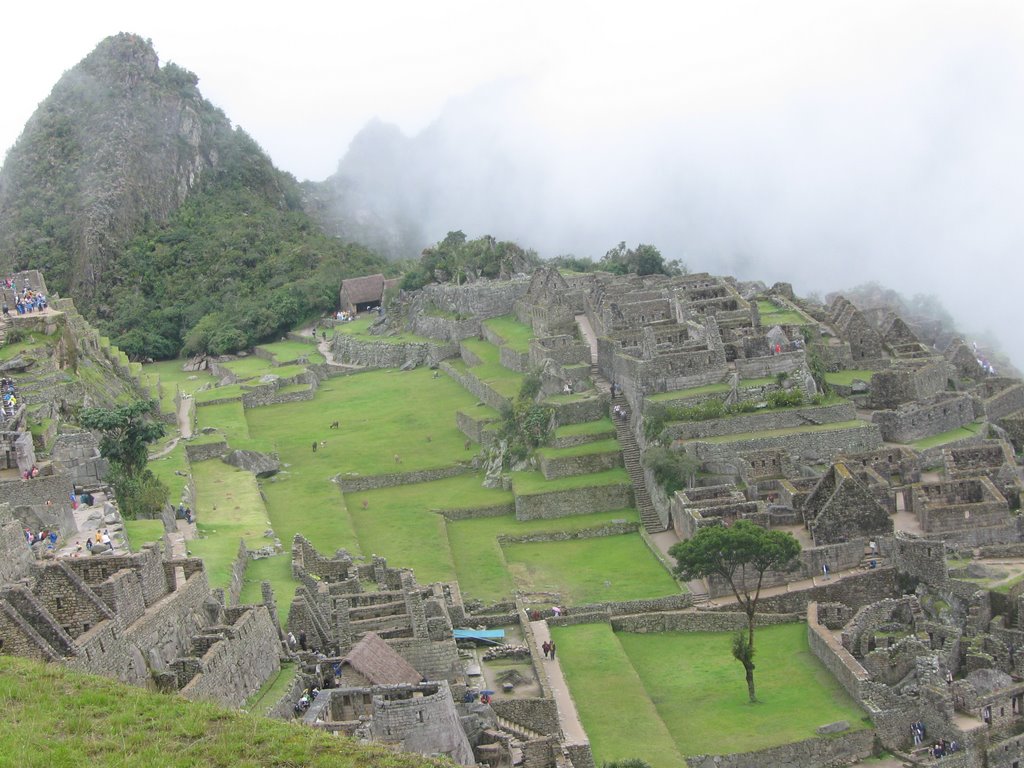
{"x":456,"y":260}
{"x":621,"y":260}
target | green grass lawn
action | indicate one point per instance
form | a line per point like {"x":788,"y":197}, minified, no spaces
{"x":516,"y":335}
{"x":230,"y":418}
{"x":228,"y":507}
{"x":590,"y":570}
{"x":278,"y":571}
{"x":772,"y":314}
{"x":380,"y":414}
{"x":601,"y":427}
{"x":529,"y":483}
{"x":404,"y":525}
{"x":359,"y":329}
{"x":231,"y":391}
{"x":172,"y":376}
{"x":139,"y":532}
{"x":701,"y":694}
{"x":30,"y":342}
{"x":616,"y":710}
{"x":960,"y":433}
{"x":697,"y":691}
{"x":99,"y":722}
{"x":610,"y":445}
{"x":480,"y":561}
{"x":490,"y":371}
{"x":846,"y":378}
{"x":166,"y":470}
{"x":289,"y":351}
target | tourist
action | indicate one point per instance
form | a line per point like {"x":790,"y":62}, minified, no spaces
{"x":302,"y":640}
{"x":546,"y":647}
{"x":291,"y":641}
{"x":556,"y":611}
{"x":824,"y":570}
{"x":106,"y":540}
{"x":551,"y":648}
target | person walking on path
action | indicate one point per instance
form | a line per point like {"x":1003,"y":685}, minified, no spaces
{"x":546,"y":647}
{"x":551,"y":650}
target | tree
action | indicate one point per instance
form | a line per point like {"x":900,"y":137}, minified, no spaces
{"x":740,"y":554}
{"x":126,"y":431}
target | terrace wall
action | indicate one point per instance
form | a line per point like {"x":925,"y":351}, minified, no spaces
{"x":819,"y":445}
{"x":761,"y":421}
{"x":570,"y":466}
{"x":354,"y":484}
{"x":384,"y":354}
{"x":574,"y":501}
{"x":840,"y":749}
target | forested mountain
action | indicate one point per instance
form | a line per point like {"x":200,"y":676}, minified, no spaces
{"x":171,"y":228}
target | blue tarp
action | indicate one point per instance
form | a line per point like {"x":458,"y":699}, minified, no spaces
{"x":479,"y":634}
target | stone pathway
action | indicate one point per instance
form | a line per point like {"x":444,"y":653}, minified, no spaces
{"x":186,"y":410}
{"x":568,"y":719}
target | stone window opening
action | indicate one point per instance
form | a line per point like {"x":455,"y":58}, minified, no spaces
{"x":419,"y":716}
{"x":60,"y":603}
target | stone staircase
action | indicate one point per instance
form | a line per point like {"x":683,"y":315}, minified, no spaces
{"x":521,"y":732}
{"x":630,"y":456}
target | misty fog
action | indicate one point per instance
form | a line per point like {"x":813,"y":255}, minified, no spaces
{"x":869,"y":153}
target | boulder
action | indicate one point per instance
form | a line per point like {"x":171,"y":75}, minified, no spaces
{"x":260,"y":464}
{"x":837,"y":727}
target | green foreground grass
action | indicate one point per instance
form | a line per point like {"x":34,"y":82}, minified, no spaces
{"x":698,"y":690}
{"x":105,"y":724}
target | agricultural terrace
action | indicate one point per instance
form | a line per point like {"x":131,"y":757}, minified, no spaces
{"x":392,"y":422}
{"x":657,"y":678}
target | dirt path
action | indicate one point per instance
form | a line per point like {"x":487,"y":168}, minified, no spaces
{"x":185,"y":411}
{"x":568,"y":719}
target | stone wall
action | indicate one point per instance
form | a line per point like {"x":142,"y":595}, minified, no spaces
{"x":477,"y":388}
{"x":472,"y":425}
{"x":540,"y":715}
{"x":584,"y":464}
{"x":481,"y":299}
{"x":270,"y":394}
{"x":574,"y":501}
{"x":563,"y":349}
{"x":818,"y":445}
{"x":855,"y":590}
{"x":16,"y":557}
{"x":771,"y":365}
{"x":823,"y":752}
{"x":354,"y":484}
{"x":385,"y":354}
{"x":588,"y":613}
{"x":514,"y":360}
{"x":892,"y":387}
{"x":594,"y":532}
{"x":578,"y":411}
{"x":917,"y":420}
{"x":168,"y":625}
{"x":204,"y":451}
{"x":701,"y":621}
{"x":1004,"y":402}
{"x":236,"y":666}
{"x":761,"y":421}
{"x":830,"y":652}
{"x":238,"y":566}
{"x":41,"y":503}
{"x":434,"y":660}
{"x":77,"y":455}
{"x":444,"y":328}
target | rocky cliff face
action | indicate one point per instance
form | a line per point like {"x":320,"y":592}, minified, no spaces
{"x":119,"y":142}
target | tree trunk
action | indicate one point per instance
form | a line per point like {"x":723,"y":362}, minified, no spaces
{"x":750,"y":682}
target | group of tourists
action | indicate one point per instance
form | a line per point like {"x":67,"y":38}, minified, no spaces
{"x":31,"y":473}
{"x":100,"y":538}
{"x":306,"y":700}
{"x":9,"y":393}
{"x":184,"y":513}
{"x":44,"y":536}
{"x":26,"y":301}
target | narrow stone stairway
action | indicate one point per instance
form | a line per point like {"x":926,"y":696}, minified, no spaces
{"x":630,"y":456}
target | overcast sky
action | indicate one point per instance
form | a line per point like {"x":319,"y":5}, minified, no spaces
{"x":825,"y":143}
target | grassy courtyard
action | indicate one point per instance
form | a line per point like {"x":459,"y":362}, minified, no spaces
{"x":675,"y":669}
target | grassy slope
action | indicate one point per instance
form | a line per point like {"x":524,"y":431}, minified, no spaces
{"x":613,"y":704}
{"x":590,"y":570}
{"x":55,"y":718}
{"x":529,"y":483}
{"x":359,"y":329}
{"x":490,"y":371}
{"x":480,"y":560}
{"x":796,"y":693}
{"x":516,"y":335}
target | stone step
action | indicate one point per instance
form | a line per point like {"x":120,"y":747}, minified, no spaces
{"x":518,"y":730}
